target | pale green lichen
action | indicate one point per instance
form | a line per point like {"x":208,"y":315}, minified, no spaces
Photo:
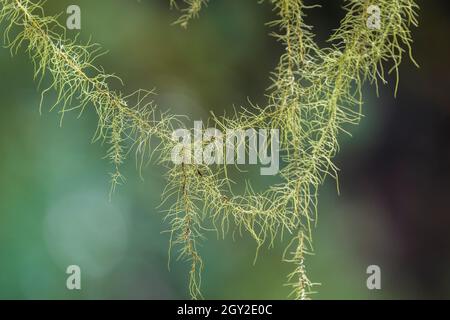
{"x":315,"y":95}
{"x":190,"y":10}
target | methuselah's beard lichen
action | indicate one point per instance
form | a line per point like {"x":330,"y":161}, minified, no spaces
{"x":315,"y":95}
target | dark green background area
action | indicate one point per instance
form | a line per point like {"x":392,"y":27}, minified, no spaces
{"x":393,"y":209}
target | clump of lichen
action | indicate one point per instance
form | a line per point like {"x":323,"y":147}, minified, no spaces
{"x":315,"y":95}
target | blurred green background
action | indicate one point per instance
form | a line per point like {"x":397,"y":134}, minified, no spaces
{"x":393,"y":210}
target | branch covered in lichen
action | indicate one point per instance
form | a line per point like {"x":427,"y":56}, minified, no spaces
{"x":190,"y":10}
{"x":315,"y":95}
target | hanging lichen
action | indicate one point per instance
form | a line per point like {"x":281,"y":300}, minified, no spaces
{"x":315,"y":93}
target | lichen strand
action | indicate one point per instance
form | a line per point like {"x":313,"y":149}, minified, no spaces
{"x":315,"y":95}
{"x":190,"y":10}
